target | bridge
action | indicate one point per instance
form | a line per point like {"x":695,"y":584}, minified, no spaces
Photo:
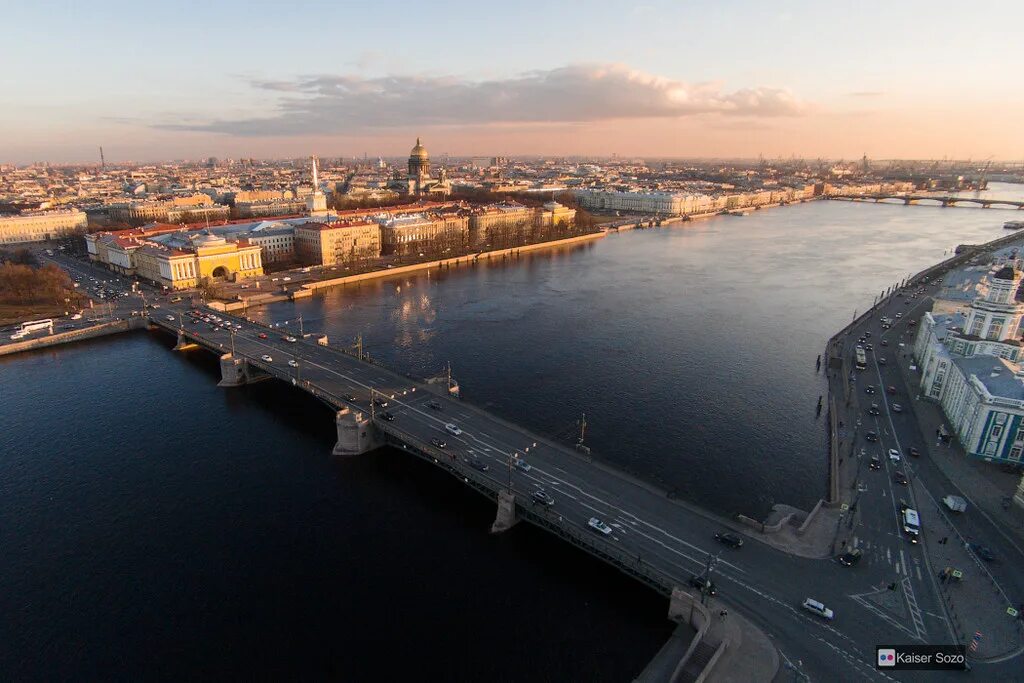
{"x":948,"y":200}
{"x":654,"y":538}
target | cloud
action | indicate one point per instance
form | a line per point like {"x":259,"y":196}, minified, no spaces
{"x":344,"y":104}
{"x":866,"y":93}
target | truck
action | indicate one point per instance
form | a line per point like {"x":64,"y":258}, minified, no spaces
{"x":955,"y":503}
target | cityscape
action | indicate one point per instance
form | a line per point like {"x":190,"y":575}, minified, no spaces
{"x":619,"y":359}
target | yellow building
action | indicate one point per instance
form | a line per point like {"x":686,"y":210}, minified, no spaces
{"x":342,"y":242}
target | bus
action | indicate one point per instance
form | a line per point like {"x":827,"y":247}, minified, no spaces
{"x":861,"y":359}
{"x":911,"y":524}
{"x":33,"y":326}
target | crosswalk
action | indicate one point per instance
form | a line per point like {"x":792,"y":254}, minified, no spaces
{"x":877,"y":553}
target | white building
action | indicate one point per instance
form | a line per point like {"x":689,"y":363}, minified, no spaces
{"x":970,"y":364}
{"x":39,"y":227}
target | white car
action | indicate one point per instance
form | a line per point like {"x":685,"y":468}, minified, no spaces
{"x":452,"y":429}
{"x":812,"y":605}
{"x":170,"y":318}
{"x":266,"y":358}
{"x":290,"y":340}
{"x":599,"y":526}
{"x":894,"y":455}
{"x":294,"y":363}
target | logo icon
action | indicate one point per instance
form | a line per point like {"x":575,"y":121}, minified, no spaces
{"x":886,"y":657}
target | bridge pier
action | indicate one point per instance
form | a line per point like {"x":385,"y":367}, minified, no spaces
{"x":506,"y":517}
{"x":356,"y":433}
{"x":236,"y":372}
{"x":184,"y":344}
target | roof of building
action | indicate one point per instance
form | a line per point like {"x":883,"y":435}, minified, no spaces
{"x":997,"y":374}
{"x":1007,"y":272}
{"x":419,"y":151}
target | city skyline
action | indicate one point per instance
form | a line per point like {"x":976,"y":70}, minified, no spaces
{"x":658,"y":79}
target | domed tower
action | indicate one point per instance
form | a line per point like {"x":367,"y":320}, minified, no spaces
{"x":419,"y":163}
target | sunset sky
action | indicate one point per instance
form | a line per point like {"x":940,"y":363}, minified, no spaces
{"x":686,"y":78}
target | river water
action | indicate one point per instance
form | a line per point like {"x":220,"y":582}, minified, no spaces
{"x":154,"y":525}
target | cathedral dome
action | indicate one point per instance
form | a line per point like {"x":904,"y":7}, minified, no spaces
{"x":419,"y":151}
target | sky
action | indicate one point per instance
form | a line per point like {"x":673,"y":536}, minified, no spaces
{"x":724,"y":78}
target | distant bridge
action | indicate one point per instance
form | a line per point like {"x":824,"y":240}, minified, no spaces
{"x":932,"y":200}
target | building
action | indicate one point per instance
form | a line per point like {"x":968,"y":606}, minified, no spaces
{"x":553,"y":213}
{"x":665,"y":203}
{"x":276,"y":241}
{"x":196,"y":207}
{"x":316,"y":203}
{"x":258,"y":208}
{"x":418,"y":181}
{"x":508,"y":220}
{"x":437,"y":232}
{"x":341,"y":242}
{"x":40,"y":226}
{"x":177,"y":259}
{"x":970,"y":364}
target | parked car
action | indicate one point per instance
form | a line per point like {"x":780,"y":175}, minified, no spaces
{"x":729,"y":539}
{"x":816,"y":607}
{"x":599,"y":526}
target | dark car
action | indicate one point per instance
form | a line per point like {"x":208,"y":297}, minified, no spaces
{"x":914,"y":452}
{"x":900,"y":479}
{"x":543,"y":498}
{"x":897,"y":408}
{"x":869,"y":389}
{"x":434,"y":404}
{"x":731,"y":540}
{"x":983,"y":552}
{"x":891,"y":390}
{"x":873,"y":410}
{"x":876,"y":463}
{"x":699,"y":582}
{"x":871,"y":436}
{"x":477,"y":464}
{"x":881,"y":361}
{"x":848,"y":559}
{"x":350,"y":398}
{"x":389,"y":417}
{"x":380,"y":402}
{"x":884,"y":343}
{"x":438,"y":443}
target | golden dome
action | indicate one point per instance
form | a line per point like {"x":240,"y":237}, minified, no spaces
{"x":419,"y":151}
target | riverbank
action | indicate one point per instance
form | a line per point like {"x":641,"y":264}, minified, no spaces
{"x":309,"y":288}
{"x":101,"y":330}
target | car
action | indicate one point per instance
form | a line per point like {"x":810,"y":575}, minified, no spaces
{"x":882,"y":361}
{"x":868,"y":334}
{"x":891,"y":390}
{"x":861,"y":340}
{"x":729,"y":539}
{"x":869,"y":389}
{"x":541,"y":496}
{"x":76,"y":316}
{"x":900,"y":315}
{"x":434,"y":405}
{"x":869,"y":347}
{"x":262,"y":335}
{"x":294,"y":363}
{"x":983,"y":552}
{"x":287,"y":279}
{"x":703,"y":585}
{"x":521,"y":465}
{"x":876,"y":463}
{"x":438,"y":443}
{"x":873,"y":410}
{"x":267,"y":358}
{"x":169,"y":318}
{"x":599,"y":526}
{"x":871,"y":436}
{"x":387,"y":417}
{"x":452,"y":429}
{"x":380,"y":402}
{"x":350,"y":398}
{"x":894,"y":455}
{"x":897,"y":408}
{"x":812,"y":605}
{"x":289,"y":339}
{"x":900,"y":479}
{"x":477,"y":464}
{"x":849,"y":558}
{"x":914,"y":452}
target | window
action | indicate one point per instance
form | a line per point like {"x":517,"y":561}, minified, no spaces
{"x":1015,"y":452}
{"x":997,"y":431}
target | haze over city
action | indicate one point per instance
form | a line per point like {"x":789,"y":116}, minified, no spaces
{"x":696,"y":79}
